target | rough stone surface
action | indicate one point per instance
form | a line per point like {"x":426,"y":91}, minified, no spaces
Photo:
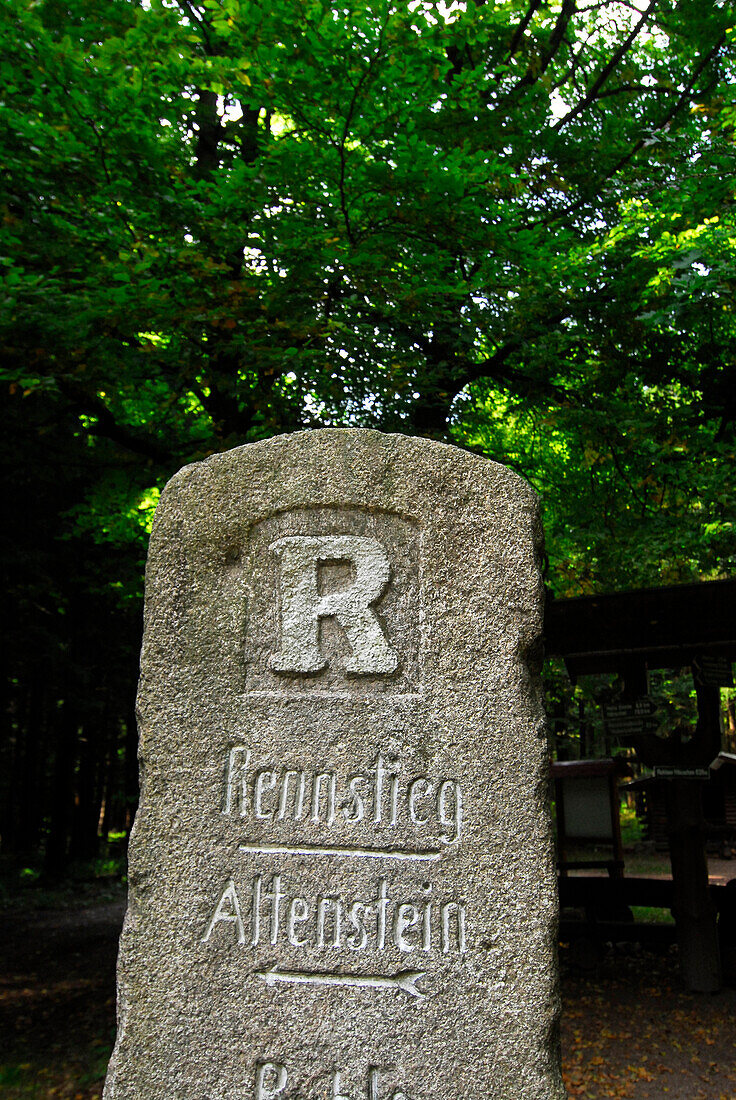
{"x":341,"y":883}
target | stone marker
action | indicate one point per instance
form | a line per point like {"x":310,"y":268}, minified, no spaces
{"x":341,"y":883}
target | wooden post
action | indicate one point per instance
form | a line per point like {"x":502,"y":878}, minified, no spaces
{"x":727,"y":932}
{"x":708,"y":730}
{"x":635,"y":677}
{"x":616,"y":870}
{"x":693,"y":909}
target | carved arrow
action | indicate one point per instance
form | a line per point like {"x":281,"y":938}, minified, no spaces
{"x":405,"y":979}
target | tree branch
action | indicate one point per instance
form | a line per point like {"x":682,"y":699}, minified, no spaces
{"x":674,"y":110}
{"x":664,"y":122}
{"x":555,"y":41}
{"x":210,"y":131}
{"x":107,"y":426}
{"x":199,"y":21}
{"x":592,"y":93}
{"x":346,"y":129}
{"x":531,"y":11}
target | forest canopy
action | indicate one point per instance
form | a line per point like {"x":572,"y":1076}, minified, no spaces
{"x":508,"y":225}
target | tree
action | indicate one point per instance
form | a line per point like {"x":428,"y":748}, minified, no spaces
{"x":507,"y":224}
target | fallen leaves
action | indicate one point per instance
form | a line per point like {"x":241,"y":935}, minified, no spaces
{"x":681,"y":1046}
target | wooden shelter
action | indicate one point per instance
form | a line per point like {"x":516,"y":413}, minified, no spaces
{"x":647,"y":627}
{"x":630,"y":633}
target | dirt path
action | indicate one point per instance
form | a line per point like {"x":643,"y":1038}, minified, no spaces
{"x":627,"y":1031}
{"x":57,"y":1001}
{"x":630,"y":1030}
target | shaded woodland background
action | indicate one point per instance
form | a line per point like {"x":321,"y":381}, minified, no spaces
{"x":507,"y":225}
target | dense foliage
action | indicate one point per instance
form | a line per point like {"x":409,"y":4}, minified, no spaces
{"x":509,"y":224}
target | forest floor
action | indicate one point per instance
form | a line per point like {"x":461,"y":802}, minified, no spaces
{"x":628,"y":1028}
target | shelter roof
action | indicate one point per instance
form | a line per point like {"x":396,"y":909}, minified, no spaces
{"x":588,"y":769}
{"x":661,"y":627}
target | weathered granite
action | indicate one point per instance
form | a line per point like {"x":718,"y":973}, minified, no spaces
{"x":341,"y":883}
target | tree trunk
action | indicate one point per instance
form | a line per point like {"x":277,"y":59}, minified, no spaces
{"x":30,"y":778}
{"x":131,"y":768}
{"x":62,"y":795}
{"x":84,"y":841}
